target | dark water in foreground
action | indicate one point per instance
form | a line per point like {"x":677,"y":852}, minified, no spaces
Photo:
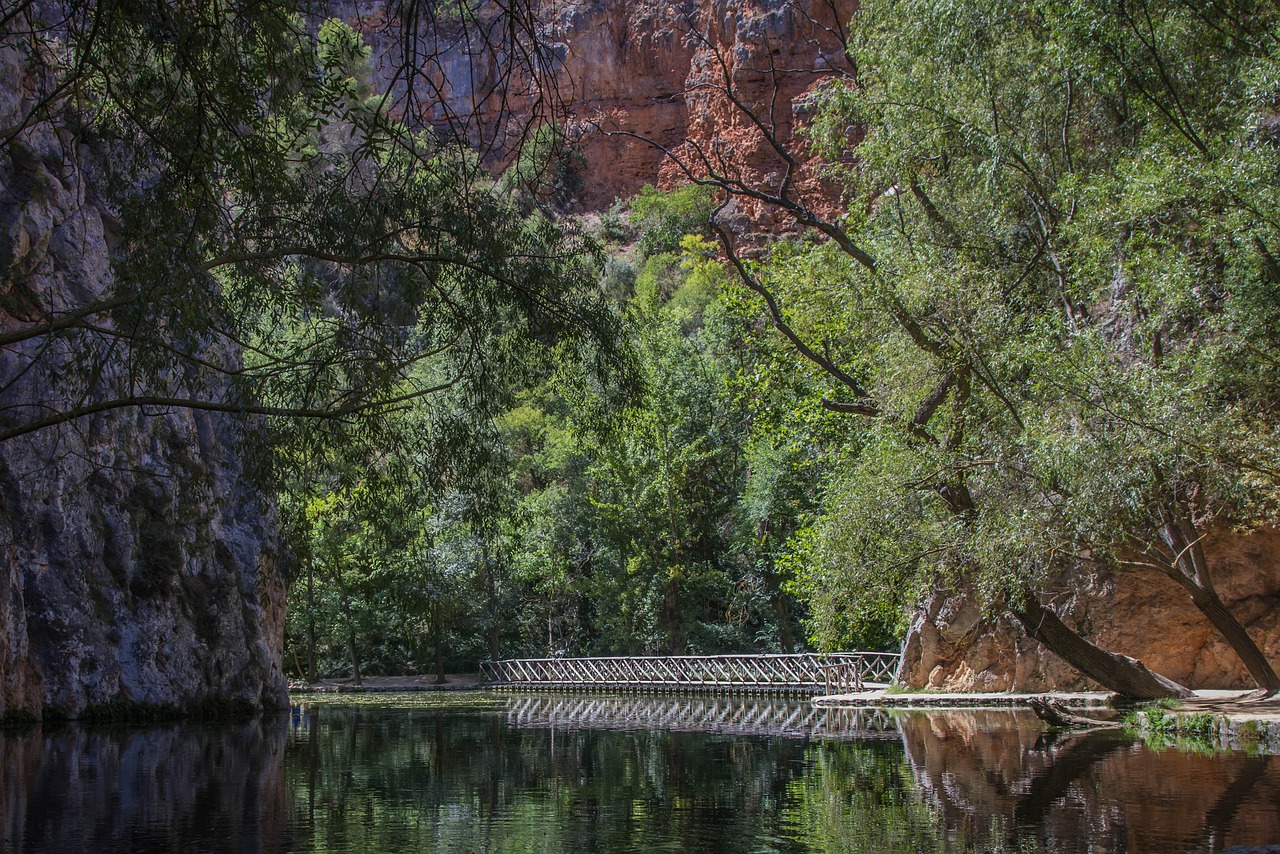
{"x":468,"y":774}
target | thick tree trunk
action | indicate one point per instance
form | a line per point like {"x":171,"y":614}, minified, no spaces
{"x":1234,"y":632}
{"x":1190,"y":567}
{"x":1119,"y":673}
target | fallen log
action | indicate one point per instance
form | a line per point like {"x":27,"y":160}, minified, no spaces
{"x":1056,"y":715}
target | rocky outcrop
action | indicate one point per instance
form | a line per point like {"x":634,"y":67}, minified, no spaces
{"x":631,"y":79}
{"x":953,"y":646}
{"x":137,"y":566}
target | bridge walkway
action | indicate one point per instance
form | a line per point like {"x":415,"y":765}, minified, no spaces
{"x":797,"y":673}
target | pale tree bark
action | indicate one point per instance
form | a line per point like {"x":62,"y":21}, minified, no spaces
{"x":1181,"y":556}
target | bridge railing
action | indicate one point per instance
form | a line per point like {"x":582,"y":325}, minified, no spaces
{"x":798,"y":672}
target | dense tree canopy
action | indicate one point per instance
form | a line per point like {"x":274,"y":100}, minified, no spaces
{"x":293,"y":242}
{"x":1041,"y":340}
{"x":1050,"y":309}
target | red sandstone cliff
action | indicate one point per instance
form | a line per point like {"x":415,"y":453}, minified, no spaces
{"x":1139,"y":613}
{"x":626,"y":80}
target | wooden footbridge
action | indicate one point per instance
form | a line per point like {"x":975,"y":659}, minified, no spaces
{"x":800,"y":673}
{"x":721,"y":715}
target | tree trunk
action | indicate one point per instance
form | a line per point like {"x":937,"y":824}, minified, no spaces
{"x":494,"y":645}
{"x":781,"y":611}
{"x":494,"y":631}
{"x":1190,"y":568}
{"x":1119,"y":673}
{"x":671,"y":615}
{"x":1238,"y":636}
{"x":351,"y":626}
{"x":355,"y":658}
{"x":311,"y":621}
{"x":437,"y":637}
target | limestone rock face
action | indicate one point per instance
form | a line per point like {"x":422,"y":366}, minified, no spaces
{"x":1140,"y":613}
{"x":136,"y":564}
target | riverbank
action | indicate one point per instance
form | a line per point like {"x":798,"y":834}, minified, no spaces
{"x":389,"y":684}
{"x":1231,"y":720}
{"x":1234,"y":705}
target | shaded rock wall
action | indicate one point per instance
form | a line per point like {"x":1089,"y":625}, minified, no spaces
{"x":952,"y":646}
{"x":136,"y":563}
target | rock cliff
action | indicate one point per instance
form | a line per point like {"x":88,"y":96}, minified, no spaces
{"x":630,"y":80}
{"x":951,"y":646}
{"x":137,"y":566}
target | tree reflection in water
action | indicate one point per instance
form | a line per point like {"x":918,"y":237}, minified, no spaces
{"x":593,"y":774}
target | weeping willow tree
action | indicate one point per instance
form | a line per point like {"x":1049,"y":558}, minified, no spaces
{"x":1075,"y":206}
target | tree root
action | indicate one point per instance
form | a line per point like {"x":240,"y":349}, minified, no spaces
{"x":1056,"y":715}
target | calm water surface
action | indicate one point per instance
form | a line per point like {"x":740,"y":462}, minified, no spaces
{"x":464,"y":774}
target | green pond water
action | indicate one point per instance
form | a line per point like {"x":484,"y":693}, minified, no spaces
{"x":543,"y":773}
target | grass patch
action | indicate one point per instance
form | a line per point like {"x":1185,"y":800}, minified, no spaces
{"x":18,"y":719}
{"x":483,"y":701}
{"x":1160,"y":728}
{"x":1250,"y":734}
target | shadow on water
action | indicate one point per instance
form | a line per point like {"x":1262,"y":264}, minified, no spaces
{"x":175,"y":787}
{"x":581,"y":774}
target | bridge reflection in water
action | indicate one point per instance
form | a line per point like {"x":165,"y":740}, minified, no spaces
{"x":703,"y":714}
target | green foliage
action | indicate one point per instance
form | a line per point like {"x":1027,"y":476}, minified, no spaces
{"x":275,"y":209}
{"x":1065,"y":331}
{"x":547,"y":173}
{"x":1072,"y":225}
{"x":664,"y":218}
